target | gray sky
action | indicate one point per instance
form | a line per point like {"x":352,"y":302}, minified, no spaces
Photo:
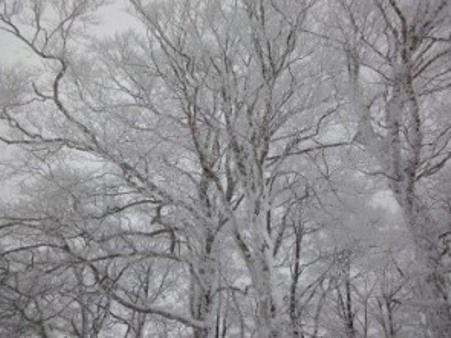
{"x":8,"y":48}
{"x":114,"y":18}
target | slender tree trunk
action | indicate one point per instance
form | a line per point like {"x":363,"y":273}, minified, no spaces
{"x":204,"y":282}
{"x":297,"y":331}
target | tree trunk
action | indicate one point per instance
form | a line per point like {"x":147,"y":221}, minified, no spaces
{"x":431,"y":283}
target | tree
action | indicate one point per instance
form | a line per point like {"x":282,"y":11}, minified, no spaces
{"x":397,"y":58}
{"x":217,"y":75}
{"x":194,"y":176}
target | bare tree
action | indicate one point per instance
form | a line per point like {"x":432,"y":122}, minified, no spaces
{"x":397,"y":57}
{"x":194,"y":176}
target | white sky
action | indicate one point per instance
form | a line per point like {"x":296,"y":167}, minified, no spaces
{"x":114,"y":18}
{"x":8,"y":48}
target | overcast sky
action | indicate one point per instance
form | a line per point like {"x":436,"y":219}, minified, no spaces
{"x":114,"y":18}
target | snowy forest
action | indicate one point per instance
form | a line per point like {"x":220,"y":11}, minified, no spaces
{"x":226,"y":168}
